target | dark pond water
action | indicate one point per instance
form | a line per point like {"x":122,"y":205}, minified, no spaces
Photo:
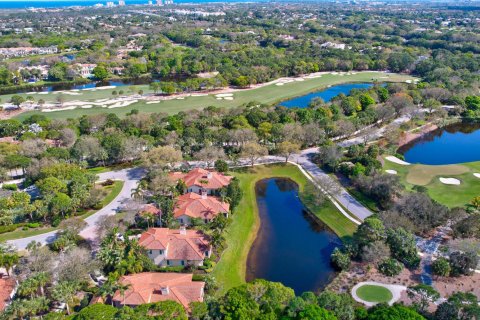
{"x":291,"y":247}
{"x":326,"y":94}
{"x":456,"y":143}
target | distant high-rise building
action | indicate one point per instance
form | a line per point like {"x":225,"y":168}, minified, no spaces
{"x":150,"y":2}
{"x":168,"y":2}
{"x":159,"y":3}
{"x":110,"y":4}
{"x":121,"y":2}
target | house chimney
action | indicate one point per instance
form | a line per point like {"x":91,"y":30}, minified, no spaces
{"x":183,"y":230}
{"x":204,"y":194}
{"x":164,"y":291}
{"x":209,"y":175}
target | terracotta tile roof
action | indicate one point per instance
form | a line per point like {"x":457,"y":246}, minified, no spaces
{"x":150,"y":209}
{"x":202,"y":178}
{"x":189,"y":246}
{"x":197,"y":206}
{"x":9,"y":140}
{"x":7,"y":285}
{"x":146,"y":288}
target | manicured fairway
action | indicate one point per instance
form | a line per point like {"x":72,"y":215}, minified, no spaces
{"x":231,"y":269}
{"x":373,"y":293}
{"x":428,"y":176}
{"x":267,"y":94}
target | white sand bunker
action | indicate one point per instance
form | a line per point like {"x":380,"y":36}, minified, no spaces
{"x":59,"y":109}
{"x":391,"y":171}
{"x":223,"y":95}
{"x":228,"y":98}
{"x":397,"y":161}
{"x":476,"y":174}
{"x":452,"y":181}
{"x":279,"y":84}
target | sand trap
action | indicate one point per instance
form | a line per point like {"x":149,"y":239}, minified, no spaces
{"x":452,"y":181}
{"x":152,"y":102}
{"x":122,"y":104}
{"x":43,"y":93}
{"x":397,"y":161}
{"x":408,"y":81}
{"x":228,"y":98}
{"x":199,"y":94}
{"x":299,"y":79}
{"x":223,"y":95}
{"x":219,"y":98}
{"x":181,"y":98}
{"x":391,"y":171}
{"x":477,"y":175}
{"x":59,"y":109}
{"x":88,"y":106}
{"x":279,"y":84}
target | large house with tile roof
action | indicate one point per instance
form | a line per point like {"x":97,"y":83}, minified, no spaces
{"x":192,"y":205}
{"x":200,"y":180}
{"x":169,"y":247}
{"x":150,"y":287}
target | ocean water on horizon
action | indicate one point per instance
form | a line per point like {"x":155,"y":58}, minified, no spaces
{"x":18,"y":4}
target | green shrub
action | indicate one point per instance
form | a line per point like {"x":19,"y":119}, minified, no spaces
{"x":441,"y":267}
{"x":10,"y":228}
{"x":33,"y":225}
{"x":390,"y":267}
{"x":108,"y":182}
{"x":11,"y":186}
{"x":340,"y":259}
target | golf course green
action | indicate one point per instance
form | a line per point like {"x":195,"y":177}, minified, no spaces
{"x":428,"y":176}
{"x":373,"y":293}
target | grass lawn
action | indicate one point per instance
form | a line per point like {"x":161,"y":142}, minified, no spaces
{"x":111,"y":192}
{"x":268,"y":94}
{"x":231,"y":269}
{"x":372,"y":293}
{"x":428,"y":176}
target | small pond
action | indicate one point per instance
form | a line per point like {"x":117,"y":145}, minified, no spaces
{"x":455,"y":143}
{"x":326,"y":94}
{"x":291,"y":247}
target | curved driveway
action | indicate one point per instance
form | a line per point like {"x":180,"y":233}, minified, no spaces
{"x":130,"y":178}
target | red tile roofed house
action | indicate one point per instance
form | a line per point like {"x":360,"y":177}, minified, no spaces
{"x":7,"y":291}
{"x":198,"y":180}
{"x":192,"y":205}
{"x":168,"y":247}
{"x":150,"y":287}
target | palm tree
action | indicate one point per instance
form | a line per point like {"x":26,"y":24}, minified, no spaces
{"x":42,"y":279}
{"x":108,"y":289}
{"x":8,"y":260}
{"x":137,"y":193}
{"x":65,"y":292}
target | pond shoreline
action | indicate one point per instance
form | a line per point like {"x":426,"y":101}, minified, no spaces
{"x":274,"y":253}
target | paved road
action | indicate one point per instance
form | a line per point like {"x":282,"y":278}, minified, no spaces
{"x":343,"y":197}
{"x":130,"y":178}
